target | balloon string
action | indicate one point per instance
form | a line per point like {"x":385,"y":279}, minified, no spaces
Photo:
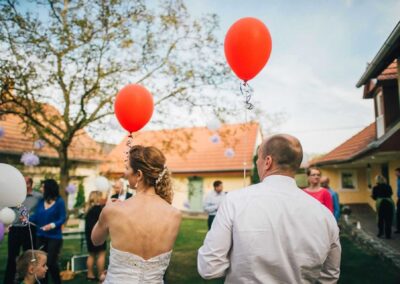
{"x":245,"y":147}
{"x":247,"y":92}
{"x":129,"y":144}
{"x":23,"y":211}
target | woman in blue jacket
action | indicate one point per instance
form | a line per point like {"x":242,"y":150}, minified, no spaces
{"x":49,"y":216}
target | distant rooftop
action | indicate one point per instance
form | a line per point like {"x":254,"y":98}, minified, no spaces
{"x":191,"y":149}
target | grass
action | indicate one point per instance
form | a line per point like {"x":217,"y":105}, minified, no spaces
{"x":358,"y":266}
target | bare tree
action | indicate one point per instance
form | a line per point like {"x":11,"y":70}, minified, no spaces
{"x":77,"y":54}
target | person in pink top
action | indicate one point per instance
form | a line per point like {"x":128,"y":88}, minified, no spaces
{"x":315,"y":190}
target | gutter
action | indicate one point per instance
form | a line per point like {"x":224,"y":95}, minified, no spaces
{"x":383,"y":53}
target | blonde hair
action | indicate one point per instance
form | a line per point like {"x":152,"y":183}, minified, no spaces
{"x":379,"y":179}
{"x":151,"y":161}
{"x":94,"y":199}
{"x":29,"y":257}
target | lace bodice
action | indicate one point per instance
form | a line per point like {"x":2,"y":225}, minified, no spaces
{"x":128,"y":268}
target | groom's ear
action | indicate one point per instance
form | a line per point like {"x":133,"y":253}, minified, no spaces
{"x":268,"y":162}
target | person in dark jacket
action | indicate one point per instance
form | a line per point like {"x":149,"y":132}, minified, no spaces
{"x":19,"y":236}
{"x":120,"y":193}
{"x":96,"y":253}
{"x":382,"y":194}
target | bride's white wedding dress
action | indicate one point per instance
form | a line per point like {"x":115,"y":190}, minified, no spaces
{"x":128,"y":268}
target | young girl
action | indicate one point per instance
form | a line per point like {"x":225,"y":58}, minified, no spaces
{"x":93,"y":211}
{"x":31,"y":266}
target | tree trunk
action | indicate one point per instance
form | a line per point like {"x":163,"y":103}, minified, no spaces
{"x":64,"y":173}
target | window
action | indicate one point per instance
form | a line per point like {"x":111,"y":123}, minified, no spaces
{"x":348,"y":180}
{"x":379,"y":104}
{"x":380,"y":120}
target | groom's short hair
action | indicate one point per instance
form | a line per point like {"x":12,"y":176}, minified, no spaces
{"x":285,"y":150}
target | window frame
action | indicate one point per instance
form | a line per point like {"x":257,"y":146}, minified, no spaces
{"x":354,"y":180}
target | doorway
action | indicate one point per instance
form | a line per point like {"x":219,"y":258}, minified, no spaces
{"x":195,"y":194}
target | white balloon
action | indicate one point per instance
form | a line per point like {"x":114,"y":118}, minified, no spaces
{"x":214,"y":124}
{"x":12,"y":186}
{"x":102,"y":183}
{"x":7,"y":216}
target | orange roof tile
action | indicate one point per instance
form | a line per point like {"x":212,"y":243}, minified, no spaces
{"x":349,"y":148}
{"x":390,"y":72}
{"x":15,"y":141}
{"x":191,"y":150}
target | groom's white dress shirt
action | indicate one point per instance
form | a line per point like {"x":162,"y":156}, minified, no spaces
{"x":272,"y":232}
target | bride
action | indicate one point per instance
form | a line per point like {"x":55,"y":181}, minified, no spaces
{"x":143,"y":229}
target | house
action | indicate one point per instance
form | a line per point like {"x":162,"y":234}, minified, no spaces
{"x":375,"y":150}
{"x":196,"y":158}
{"x":84,"y":154}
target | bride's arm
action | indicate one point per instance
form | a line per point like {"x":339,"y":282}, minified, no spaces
{"x":100,"y":230}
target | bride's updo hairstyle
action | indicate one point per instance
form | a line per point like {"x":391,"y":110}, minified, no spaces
{"x":151,"y":162}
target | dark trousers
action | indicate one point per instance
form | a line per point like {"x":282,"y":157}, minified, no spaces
{"x":53,"y":248}
{"x":398,"y":215}
{"x":210,"y":221}
{"x":18,"y":237}
{"x":385,"y":218}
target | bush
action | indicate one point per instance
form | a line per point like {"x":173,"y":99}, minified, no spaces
{"x":80,"y":198}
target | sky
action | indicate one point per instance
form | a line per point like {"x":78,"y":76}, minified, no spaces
{"x":319,"y":52}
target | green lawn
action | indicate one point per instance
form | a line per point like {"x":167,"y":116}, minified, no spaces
{"x":358,"y":266}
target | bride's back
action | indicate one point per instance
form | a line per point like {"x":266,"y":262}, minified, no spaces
{"x":145,"y":225}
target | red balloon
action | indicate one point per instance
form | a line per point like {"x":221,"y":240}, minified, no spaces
{"x":247,"y":47}
{"x":133,"y":107}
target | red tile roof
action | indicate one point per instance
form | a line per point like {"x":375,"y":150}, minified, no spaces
{"x":191,"y":150}
{"x":15,"y":141}
{"x":390,"y":72}
{"x":349,"y":148}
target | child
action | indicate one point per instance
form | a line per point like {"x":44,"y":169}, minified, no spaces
{"x":31,"y":266}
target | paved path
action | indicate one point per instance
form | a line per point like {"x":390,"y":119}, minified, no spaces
{"x":368,"y":221}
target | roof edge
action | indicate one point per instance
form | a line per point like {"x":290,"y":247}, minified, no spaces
{"x":382,"y":53}
{"x":371,"y":146}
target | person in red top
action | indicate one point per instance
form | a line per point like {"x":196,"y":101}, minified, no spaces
{"x":315,"y":190}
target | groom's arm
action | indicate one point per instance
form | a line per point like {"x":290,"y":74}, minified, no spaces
{"x":212,"y":259}
{"x":100,"y":230}
{"x":331,"y":268}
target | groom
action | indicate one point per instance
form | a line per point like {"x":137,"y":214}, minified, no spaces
{"x":272,"y":232}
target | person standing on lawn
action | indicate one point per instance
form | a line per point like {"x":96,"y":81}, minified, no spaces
{"x":19,"y":235}
{"x":315,"y":190}
{"x":213,"y":200}
{"x":272,"y":232}
{"x":143,"y":229}
{"x":334,"y":195}
{"x":120,"y":193}
{"x":49,"y":217}
{"x":96,"y":253}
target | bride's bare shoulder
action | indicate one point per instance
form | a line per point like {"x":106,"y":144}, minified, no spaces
{"x":111,"y":208}
{"x":176,"y":213}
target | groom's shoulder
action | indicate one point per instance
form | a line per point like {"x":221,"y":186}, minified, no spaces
{"x":239,"y":194}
